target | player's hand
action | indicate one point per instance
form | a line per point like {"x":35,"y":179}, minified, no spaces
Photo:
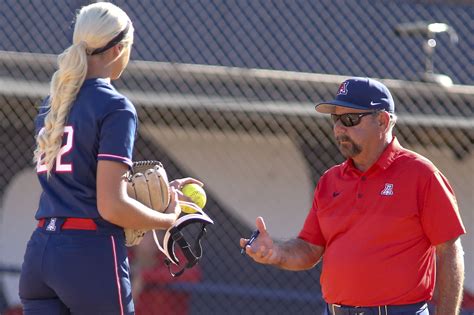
{"x":263,"y":250}
{"x":178,"y":185}
{"x":173,"y":207}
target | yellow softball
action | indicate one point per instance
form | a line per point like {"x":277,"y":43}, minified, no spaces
{"x":197,"y":195}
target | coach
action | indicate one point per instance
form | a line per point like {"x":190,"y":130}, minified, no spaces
{"x":386,"y":220}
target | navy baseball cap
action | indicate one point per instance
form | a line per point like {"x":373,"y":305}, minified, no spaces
{"x":360,"y":93}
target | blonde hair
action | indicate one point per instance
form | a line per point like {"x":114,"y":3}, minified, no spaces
{"x":96,"y":25}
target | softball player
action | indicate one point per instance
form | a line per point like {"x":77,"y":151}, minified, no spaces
{"x":76,"y":260}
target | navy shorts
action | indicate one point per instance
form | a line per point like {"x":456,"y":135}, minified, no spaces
{"x":73,"y":271}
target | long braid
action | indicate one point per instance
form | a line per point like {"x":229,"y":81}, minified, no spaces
{"x":65,"y":85}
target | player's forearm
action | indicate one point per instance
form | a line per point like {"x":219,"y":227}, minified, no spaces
{"x":117,"y":207}
{"x":297,"y":254}
{"x":129,"y":213}
{"x":450,"y":277}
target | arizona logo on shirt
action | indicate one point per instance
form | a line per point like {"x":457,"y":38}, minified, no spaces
{"x":343,"y":88}
{"x":388,"y":190}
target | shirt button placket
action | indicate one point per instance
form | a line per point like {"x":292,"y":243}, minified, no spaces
{"x":361,"y":187}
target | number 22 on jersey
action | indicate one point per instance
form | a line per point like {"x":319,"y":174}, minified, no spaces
{"x":60,"y":166}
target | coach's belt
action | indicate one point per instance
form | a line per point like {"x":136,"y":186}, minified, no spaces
{"x":69,"y":224}
{"x":336,"y":309}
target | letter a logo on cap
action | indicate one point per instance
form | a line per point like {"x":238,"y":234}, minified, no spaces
{"x":343,"y":88}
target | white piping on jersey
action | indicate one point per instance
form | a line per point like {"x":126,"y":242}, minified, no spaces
{"x":115,"y":156}
{"x":116,"y":274}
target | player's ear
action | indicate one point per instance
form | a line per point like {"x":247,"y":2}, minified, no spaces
{"x":116,"y":50}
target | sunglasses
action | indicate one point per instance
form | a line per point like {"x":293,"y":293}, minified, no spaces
{"x":350,"y":119}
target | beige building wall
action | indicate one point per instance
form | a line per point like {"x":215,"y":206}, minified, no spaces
{"x":251,"y":175}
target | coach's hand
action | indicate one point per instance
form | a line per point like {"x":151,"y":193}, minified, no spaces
{"x":263,"y":250}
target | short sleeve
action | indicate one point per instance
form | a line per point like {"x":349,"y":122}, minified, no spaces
{"x":311,"y":231}
{"x":440,"y":216}
{"x":117,"y":135}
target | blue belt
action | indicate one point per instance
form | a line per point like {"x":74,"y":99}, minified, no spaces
{"x":336,"y":309}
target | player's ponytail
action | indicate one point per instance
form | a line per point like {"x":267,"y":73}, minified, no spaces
{"x":96,"y":26}
{"x":65,"y":84}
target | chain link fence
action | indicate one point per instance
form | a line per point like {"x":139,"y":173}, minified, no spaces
{"x":251,"y":135}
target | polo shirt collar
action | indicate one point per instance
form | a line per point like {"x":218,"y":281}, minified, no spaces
{"x":389,"y":154}
{"x":385,"y":160}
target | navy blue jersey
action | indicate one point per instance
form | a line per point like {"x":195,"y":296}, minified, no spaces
{"x":101,"y":125}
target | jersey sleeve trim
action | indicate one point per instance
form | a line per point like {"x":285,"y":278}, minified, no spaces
{"x":113,"y":157}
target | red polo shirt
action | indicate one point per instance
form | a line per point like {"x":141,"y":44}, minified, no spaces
{"x":379,"y":229}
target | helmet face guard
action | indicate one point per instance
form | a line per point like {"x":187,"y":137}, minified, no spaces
{"x":167,"y":240}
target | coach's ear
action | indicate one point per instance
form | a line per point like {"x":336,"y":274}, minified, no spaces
{"x":383,"y":119}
